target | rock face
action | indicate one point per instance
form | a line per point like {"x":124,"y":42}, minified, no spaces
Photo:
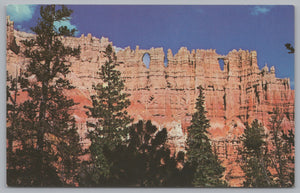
{"x":235,"y":94}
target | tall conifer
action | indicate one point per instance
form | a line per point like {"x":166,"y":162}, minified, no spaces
{"x":147,"y":160}
{"x":255,"y":157}
{"x":282,"y":151}
{"x":49,"y":145}
{"x":200,"y":157}
{"x":111,"y":118}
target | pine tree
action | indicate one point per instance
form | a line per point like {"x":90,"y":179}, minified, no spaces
{"x":200,"y":157}
{"x":282,"y":152}
{"x":255,"y":157}
{"x":289,"y":47}
{"x":147,"y":161}
{"x":13,"y":125}
{"x":109,"y":109}
{"x":49,"y":143}
{"x":13,"y":112}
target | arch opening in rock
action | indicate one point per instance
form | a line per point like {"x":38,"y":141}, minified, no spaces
{"x":221,"y":63}
{"x":165,"y":61}
{"x":146,"y":59}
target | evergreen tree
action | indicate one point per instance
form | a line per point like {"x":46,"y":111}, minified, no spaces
{"x":109,"y":109}
{"x":282,"y":151}
{"x":289,"y":47}
{"x":12,"y":113}
{"x":147,"y":161}
{"x":13,"y":126}
{"x":49,"y":143}
{"x":254,"y":157}
{"x":206,"y":167}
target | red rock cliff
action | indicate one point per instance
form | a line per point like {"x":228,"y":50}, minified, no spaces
{"x":239,"y":93}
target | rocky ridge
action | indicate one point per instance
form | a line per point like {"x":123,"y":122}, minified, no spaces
{"x":236,"y":93}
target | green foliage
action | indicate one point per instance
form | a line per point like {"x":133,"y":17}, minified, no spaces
{"x":145,"y":161}
{"x":109,"y":110}
{"x":253,"y":138}
{"x":268,"y":161}
{"x":45,"y":131}
{"x":13,"y":126}
{"x":13,"y":112}
{"x":150,"y":163}
{"x":289,"y":47}
{"x":201,"y":160}
{"x":254,"y":157}
{"x":282,"y":152}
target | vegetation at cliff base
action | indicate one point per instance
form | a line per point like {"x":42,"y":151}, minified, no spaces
{"x":205,"y":165}
{"x":42,"y":127}
{"x":254,"y":154}
{"x":110,"y":128}
{"x":268,"y":160}
{"x":43,"y":145}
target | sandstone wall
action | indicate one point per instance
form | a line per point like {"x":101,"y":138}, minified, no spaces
{"x":239,"y":93}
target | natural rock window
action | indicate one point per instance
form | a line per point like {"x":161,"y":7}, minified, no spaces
{"x":166,"y":61}
{"x":146,"y":59}
{"x":221,"y":63}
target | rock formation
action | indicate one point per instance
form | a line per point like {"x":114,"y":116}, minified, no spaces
{"x":235,"y":94}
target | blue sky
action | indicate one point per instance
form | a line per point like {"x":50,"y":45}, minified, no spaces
{"x":262,"y":28}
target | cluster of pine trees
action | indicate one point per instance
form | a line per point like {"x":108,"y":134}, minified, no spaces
{"x":43,"y":146}
{"x":267,"y":158}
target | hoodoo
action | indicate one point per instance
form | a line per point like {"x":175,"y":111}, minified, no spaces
{"x":236,"y":93}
